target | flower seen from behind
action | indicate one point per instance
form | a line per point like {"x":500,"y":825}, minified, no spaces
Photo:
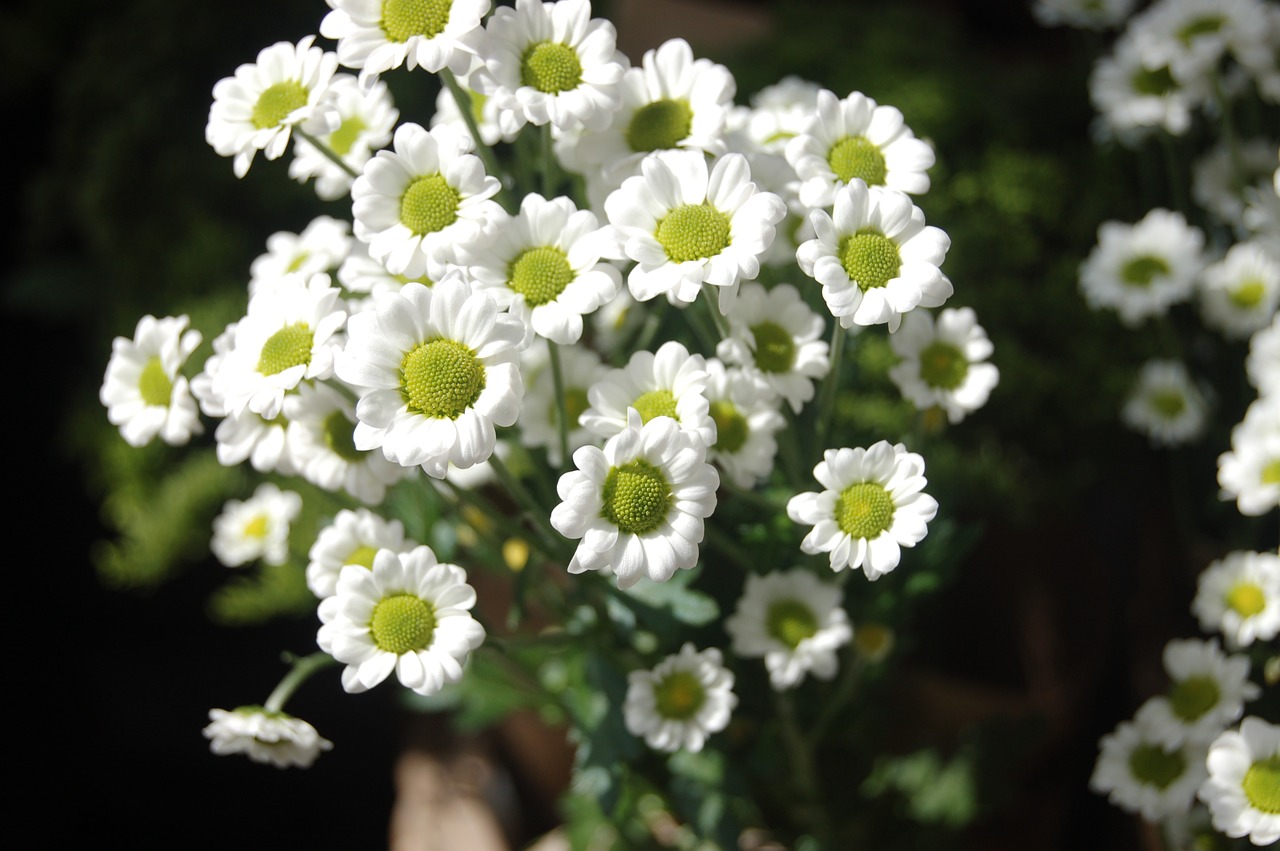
{"x":275,"y":738}
{"x":683,"y":700}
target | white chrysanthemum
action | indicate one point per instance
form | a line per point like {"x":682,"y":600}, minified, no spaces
{"x":1206,"y":694}
{"x":1140,"y":270}
{"x":792,"y":620}
{"x":257,"y":108}
{"x":638,"y":505}
{"x":943,"y":363}
{"x":682,"y":701}
{"x":616,"y":321}
{"x":437,"y":367}
{"x":1193,"y":37}
{"x":777,"y":338}
{"x":142,"y":390}
{"x":354,"y":537}
{"x":1240,"y":293}
{"x":255,"y":528}
{"x":875,"y":257}
{"x":1140,"y":775}
{"x":747,"y":418}
{"x":483,"y":109}
{"x":422,"y":200}
{"x":668,"y":383}
{"x":360,"y":273}
{"x":378,"y":35}
{"x":1250,"y":472}
{"x":1166,"y":405}
{"x":276,"y":738}
{"x":323,"y":244}
{"x":364,"y":121}
{"x":1239,"y":596}
{"x":1242,"y":790}
{"x":1219,"y":188}
{"x":407,"y":614}
{"x":540,"y":417}
{"x":1135,"y":92}
{"x":1085,"y":14}
{"x":1263,"y":363}
{"x":1261,"y":216}
{"x":856,"y":139}
{"x":779,"y":113}
{"x":872,"y":506}
{"x":544,"y":266}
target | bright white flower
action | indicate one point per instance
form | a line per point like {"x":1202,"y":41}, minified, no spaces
{"x":257,"y":108}
{"x":360,"y":273}
{"x":1140,"y":270}
{"x":1206,"y":694}
{"x":668,"y":383}
{"x":1263,"y":363}
{"x":1239,"y":596}
{"x":322,"y":245}
{"x":638,"y":505}
{"x":1243,"y":787}
{"x":747,"y":418}
{"x":483,"y":109}
{"x":875,"y":257}
{"x":682,"y":701}
{"x":943,"y":363}
{"x":779,"y":113}
{"x":142,"y":390}
{"x":354,"y":537}
{"x":1240,"y":293}
{"x":437,"y":367}
{"x":856,"y":139}
{"x":1250,"y":472}
{"x":408,"y":614}
{"x":1166,"y":405}
{"x":1193,"y":37}
{"x":364,"y":121}
{"x":255,"y":528}
{"x":1140,"y":775}
{"x":540,"y":418}
{"x":1215,"y":185}
{"x":422,"y":199}
{"x":378,"y":35}
{"x":792,"y":620}
{"x":1135,"y":92}
{"x":264,"y":736}
{"x":1085,"y":14}
{"x":778,"y":339}
{"x":872,"y":506}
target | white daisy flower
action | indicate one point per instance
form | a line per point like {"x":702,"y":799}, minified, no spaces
{"x":540,"y":417}
{"x":422,"y":199}
{"x":484,"y":110}
{"x":1135,"y":92}
{"x":255,"y":528}
{"x":943,"y":363}
{"x":1084,"y":14}
{"x":1242,"y":790}
{"x":408,"y":614}
{"x":1166,"y":405}
{"x":142,"y":390}
{"x":1216,"y":186}
{"x":875,"y":257}
{"x":378,"y":35}
{"x":1140,"y":270}
{"x":682,"y":701}
{"x":872,"y":506}
{"x":364,"y":121}
{"x":856,"y":139}
{"x":1240,"y":293}
{"x":1193,"y":37}
{"x":276,"y":738}
{"x":792,"y":620}
{"x":361,"y":274}
{"x":668,"y":383}
{"x":1140,"y":775}
{"x":779,"y":113}
{"x":1207,"y":692}
{"x":638,"y":505}
{"x":747,"y":418}
{"x":776,"y":337}
{"x":1239,"y":596}
{"x":323,"y":244}
{"x":354,"y":537}
{"x":257,"y":108}
{"x":1263,"y":363}
{"x":1250,"y":472}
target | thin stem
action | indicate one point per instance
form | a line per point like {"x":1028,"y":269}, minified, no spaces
{"x":302,"y":670}
{"x":500,"y":519}
{"x":844,"y":690}
{"x":749,"y":495}
{"x":1176,"y":184}
{"x":326,"y":151}
{"x":802,"y":763}
{"x":827,"y":402}
{"x":727,"y":545}
{"x":562,"y":403}
{"x":463,"y":99}
{"x":650,"y":330}
{"x":548,"y":162}
{"x":712,"y":299}
{"x":526,"y":500}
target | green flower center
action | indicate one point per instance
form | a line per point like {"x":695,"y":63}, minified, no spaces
{"x":693,"y":232}
{"x":344,"y":138}
{"x":286,"y":348}
{"x":942,"y":365}
{"x":1271,"y":472}
{"x":659,"y":125}
{"x":1168,"y":403}
{"x":1200,"y":26}
{"x":1153,"y":83}
{"x":775,"y":349}
{"x":441,"y":378}
{"x":1141,"y":271}
{"x":339,"y":436}
{"x":1193,"y":697}
{"x":421,"y":279}
{"x":154,"y":385}
{"x":256,"y":527}
{"x":550,"y":67}
{"x":655,"y":403}
{"x":1262,"y":784}
{"x":679,"y":696}
{"x":277,"y":101}
{"x":429,"y":204}
{"x":1246,"y":599}
{"x":298,"y":259}
{"x":636,"y":497}
{"x":402,"y":623}
{"x":1248,"y":295}
{"x":575,"y":402}
{"x":362,"y":555}
{"x":540,"y":274}
{"x":1155,"y":766}
{"x":402,"y":19}
{"x":856,"y":157}
{"x":864,"y":510}
{"x":870,"y":259}
{"x":731,"y":426}
{"x":790,"y":621}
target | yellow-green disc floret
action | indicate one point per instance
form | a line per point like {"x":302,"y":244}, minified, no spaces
{"x":277,"y":101}
{"x":342,"y":140}
{"x":1141,"y":271}
{"x":362,"y":555}
{"x":857,"y":157}
{"x":154,"y":385}
{"x":943,"y":366}
{"x":636,"y":497}
{"x":286,"y":348}
{"x":1153,"y":82}
{"x":731,"y":426}
{"x":1169,"y":403}
{"x":1262,"y":784}
{"x":441,"y":378}
{"x":864,"y":510}
{"x":870,"y":259}
{"x":1155,"y":766}
{"x":790,"y":622}
{"x":430,"y":204}
{"x":402,"y":19}
{"x":655,"y":403}
{"x":402,"y":623}
{"x":1248,"y":295}
{"x":339,"y":436}
{"x":1193,"y":697}
{"x":659,"y":126}
{"x":1246,"y":599}
{"x":693,"y":232}
{"x":775,"y":348}
{"x":551,"y":67}
{"x":679,"y":696}
{"x":540,"y":274}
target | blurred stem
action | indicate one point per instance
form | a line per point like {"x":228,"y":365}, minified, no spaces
{"x":562,"y":404}
{"x":326,"y":151}
{"x":792,"y":464}
{"x":727,"y":545}
{"x":501,"y":520}
{"x":463,"y":99}
{"x":840,"y":698}
{"x":650,"y":330}
{"x":800,"y":754}
{"x":537,"y":514}
{"x":303,"y":668}
{"x":712,"y":299}
{"x":827,"y":401}
{"x":549,"y":167}
{"x":1176,"y":183}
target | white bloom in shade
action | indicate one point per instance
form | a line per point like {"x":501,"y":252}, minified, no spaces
{"x":1263,"y":363}
{"x":616,"y":321}
{"x":321,"y":247}
{"x":1215,"y":185}
{"x":1140,"y":775}
{"x":1206,"y":694}
{"x":142,"y":390}
{"x":422,"y":199}
{"x":685,"y":225}
{"x":872,"y":506}
{"x":276,"y":738}
{"x":378,"y":35}
{"x":875,"y":257}
{"x":943,"y":363}
{"x":682,"y":701}
{"x":1135,"y":92}
{"x":364,"y":121}
{"x":792,"y":620}
{"x":544,"y":266}
{"x":354,"y":537}
{"x":540,"y":418}
{"x":360,"y":273}
{"x":483,"y":109}
{"x":747,"y":418}
{"x":856,"y":139}
{"x":257,"y":108}
{"x":1239,"y":294}
{"x":668,"y":383}
{"x":1085,"y":14}
{"x":1140,"y":270}
{"x":638,"y":505}
{"x":778,"y":339}
{"x":255,"y":528}
{"x":778,"y":114}
{"x":408,"y":614}
{"x":437,"y":367}
{"x":1243,"y":787}
{"x":1166,"y":405}
{"x":1239,"y":596}
{"x":1250,"y":472}
{"x":1193,"y":37}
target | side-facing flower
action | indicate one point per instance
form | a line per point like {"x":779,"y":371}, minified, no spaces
{"x":1243,"y":787}
{"x":1140,"y":270}
{"x":274,"y":738}
{"x":1207,"y":692}
{"x":1165,"y":404}
{"x":682,"y":701}
{"x":1139,"y":774}
{"x":1239,"y":596}
{"x":321,"y":246}
{"x":364,"y":122}
{"x":142,"y":390}
{"x":255,"y":528}
{"x":354,"y":537}
{"x":944,"y":363}
{"x":1263,"y":363}
{"x":1250,"y":472}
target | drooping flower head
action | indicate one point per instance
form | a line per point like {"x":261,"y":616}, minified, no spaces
{"x":274,"y":738}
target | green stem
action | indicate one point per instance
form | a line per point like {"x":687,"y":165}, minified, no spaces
{"x":326,"y":151}
{"x":463,"y":99}
{"x":827,"y":402}
{"x":712,"y":298}
{"x":727,"y":545}
{"x":549,"y":168}
{"x":537,"y":514}
{"x":562,"y":403}
{"x":1176,"y":184}
{"x":302,"y":670}
{"x":748,"y":495}
{"x":850,"y":675}
{"x":802,"y":764}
